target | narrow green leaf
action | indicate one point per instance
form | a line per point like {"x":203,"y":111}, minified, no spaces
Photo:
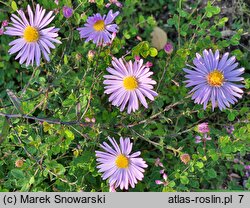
{"x":5,"y":130}
{"x":65,"y":59}
{"x":15,"y":101}
{"x":14,"y":5}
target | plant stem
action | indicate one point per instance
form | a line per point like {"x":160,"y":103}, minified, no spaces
{"x":9,"y":116}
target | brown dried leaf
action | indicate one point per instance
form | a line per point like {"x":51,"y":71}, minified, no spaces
{"x":159,"y":38}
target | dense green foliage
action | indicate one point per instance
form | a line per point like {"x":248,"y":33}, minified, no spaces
{"x":61,"y":157}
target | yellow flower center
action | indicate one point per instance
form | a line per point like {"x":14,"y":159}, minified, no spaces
{"x":121,"y":161}
{"x":215,"y":78}
{"x":30,"y":34}
{"x":99,"y":25}
{"x":130,"y":83}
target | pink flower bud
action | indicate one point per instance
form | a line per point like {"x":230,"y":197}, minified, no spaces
{"x":137,"y":58}
{"x":149,"y":64}
{"x":93,"y":120}
{"x":118,"y":4}
{"x":107,"y":5}
{"x":138,"y":38}
{"x":1,"y":31}
{"x":165,"y":177}
{"x":162,"y":171}
{"x":5,"y":23}
{"x":208,"y":138}
{"x":87,"y":119}
{"x":158,"y":182}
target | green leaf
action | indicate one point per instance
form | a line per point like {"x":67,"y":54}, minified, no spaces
{"x":14,"y":5}
{"x":5,"y":130}
{"x":199,"y":165}
{"x":184,"y":180}
{"x":231,"y":116}
{"x":65,"y":59}
{"x":32,"y":180}
{"x":222,"y":21}
{"x":182,"y":12}
{"x":171,"y":184}
{"x":211,"y":10}
{"x":69,"y":134}
{"x":153,"y":52}
{"x":17,"y":173}
{"x":144,"y":54}
{"x":211,"y":173}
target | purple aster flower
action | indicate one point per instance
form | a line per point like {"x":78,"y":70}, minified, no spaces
{"x":99,"y":28}
{"x":34,"y":39}
{"x":117,"y":164}
{"x":129,"y":82}
{"x":213,"y":79}
{"x":67,"y":12}
{"x":203,"y":128}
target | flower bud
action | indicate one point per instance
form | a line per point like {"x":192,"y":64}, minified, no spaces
{"x":5,"y":23}
{"x":158,"y":182}
{"x":185,"y":158}
{"x":149,"y":64}
{"x":168,"y":48}
{"x":1,"y":31}
{"x":203,"y":128}
{"x":19,"y":163}
{"x":67,"y":12}
{"x":91,"y":54}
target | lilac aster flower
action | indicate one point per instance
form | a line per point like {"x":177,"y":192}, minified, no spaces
{"x":34,"y":39}
{"x":129,"y":82}
{"x":118,"y":165}
{"x":99,"y":28}
{"x":213,"y":80}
